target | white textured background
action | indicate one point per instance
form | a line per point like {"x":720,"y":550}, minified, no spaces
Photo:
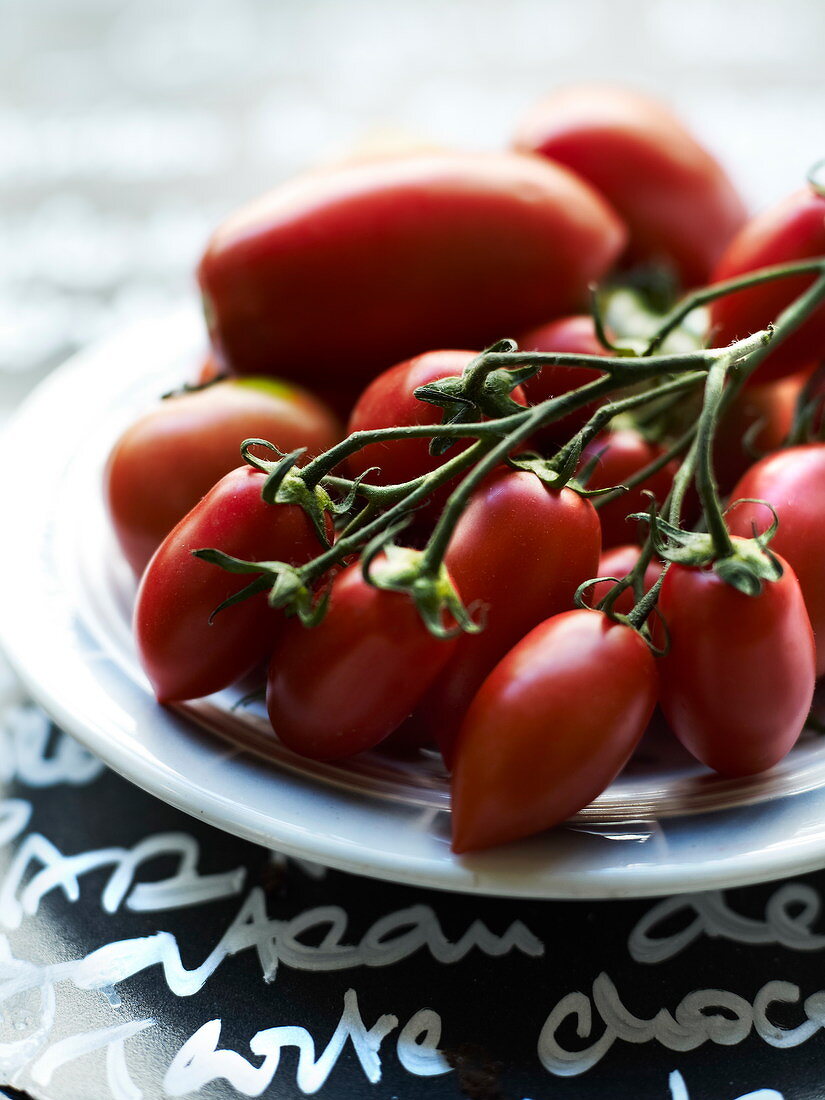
{"x":128,"y":129}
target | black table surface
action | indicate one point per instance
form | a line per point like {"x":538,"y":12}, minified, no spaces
{"x":145,"y":955}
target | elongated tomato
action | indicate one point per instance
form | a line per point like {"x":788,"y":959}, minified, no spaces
{"x":551,"y":727}
{"x":340,"y":274}
{"x":343,"y":686}
{"x":518,"y":554}
{"x":184,"y":655}
{"x":738,"y":677}
{"x":678,"y":202}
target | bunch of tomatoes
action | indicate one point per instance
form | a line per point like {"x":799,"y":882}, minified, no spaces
{"x":517,"y":547}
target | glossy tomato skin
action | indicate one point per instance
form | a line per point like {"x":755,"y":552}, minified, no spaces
{"x":388,"y":402}
{"x":622,"y":453}
{"x":184,"y":656}
{"x":618,"y":562}
{"x":793,"y":481}
{"x":789,"y":231}
{"x":166,"y":461}
{"x":676,"y":199}
{"x":551,"y":727}
{"x":738,"y":678}
{"x":518,"y":554}
{"x":399,"y":256}
{"x":343,"y":686}
{"x":575,"y":334}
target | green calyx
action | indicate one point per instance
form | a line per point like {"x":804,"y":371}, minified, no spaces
{"x":481,"y":392}
{"x":285,"y":485}
{"x":746,"y":566}
{"x":400,"y":569}
{"x":287,"y":586}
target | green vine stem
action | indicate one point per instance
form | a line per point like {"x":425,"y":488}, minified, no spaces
{"x":706,"y":485}
{"x":603,"y":416}
{"x":618,"y":372}
{"x":709,"y":294}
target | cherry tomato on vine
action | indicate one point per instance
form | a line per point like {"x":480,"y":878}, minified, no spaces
{"x":793,"y":481}
{"x":343,"y":686}
{"x":738,"y":678}
{"x":789,"y":231}
{"x":397,"y":256}
{"x":576,"y":334}
{"x":618,"y":562}
{"x":172,"y":456}
{"x":550,"y":728}
{"x":517,"y":555}
{"x":679,"y":204}
{"x":183,"y":654}
{"x":621,"y":454}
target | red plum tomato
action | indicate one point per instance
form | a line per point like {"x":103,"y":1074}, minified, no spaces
{"x":398,"y":256}
{"x":518,"y":554}
{"x":551,"y":727}
{"x":738,"y":677}
{"x":343,"y":686}
{"x":166,"y":461}
{"x":183,"y":654}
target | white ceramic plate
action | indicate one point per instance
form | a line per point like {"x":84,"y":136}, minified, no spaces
{"x":665,"y":825}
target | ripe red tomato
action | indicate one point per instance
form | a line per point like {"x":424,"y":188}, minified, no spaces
{"x":518,"y":554}
{"x":678,"y":202}
{"x":623,"y":453}
{"x":793,"y":481}
{"x":551,"y":727}
{"x":576,"y":334}
{"x":617,"y":562}
{"x":388,"y":402}
{"x":791,"y":230}
{"x":183,"y":654}
{"x":763,"y":414}
{"x":398,"y":256}
{"x":343,"y":686}
{"x":738,"y":678}
{"x":172,"y":456}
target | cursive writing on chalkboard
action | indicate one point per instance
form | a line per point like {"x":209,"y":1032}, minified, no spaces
{"x":789,"y":913}
{"x":199,"y":1061}
{"x":705,"y":1015}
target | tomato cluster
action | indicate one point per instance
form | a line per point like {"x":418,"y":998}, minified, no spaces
{"x":420,"y":577}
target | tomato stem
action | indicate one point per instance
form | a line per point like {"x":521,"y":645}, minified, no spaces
{"x":709,"y":294}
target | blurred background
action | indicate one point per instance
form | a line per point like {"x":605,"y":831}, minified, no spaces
{"x":127,"y":130}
